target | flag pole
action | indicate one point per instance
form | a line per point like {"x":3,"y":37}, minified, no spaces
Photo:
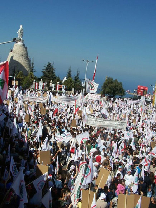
{"x":95,"y":68}
{"x":13,"y":40}
{"x":75,"y":106}
{"x":88,"y":197}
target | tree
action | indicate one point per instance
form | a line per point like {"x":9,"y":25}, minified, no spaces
{"x":58,"y":80}
{"x":69,"y":75}
{"x":77,"y":82}
{"x":49,"y":74}
{"x":28,"y":81}
{"x":20,"y":77}
{"x":112,"y":87}
{"x":32,"y":69}
{"x":69,"y":83}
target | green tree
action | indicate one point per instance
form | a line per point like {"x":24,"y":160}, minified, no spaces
{"x":112,"y":87}
{"x":69,"y":74}
{"x":20,"y":77}
{"x":69,"y":83}
{"x":77,"y":83}
{"x":49,"y":74}
{"x":58,"y":80}
{"x":32,"y":68}
{"x":28,"y":81}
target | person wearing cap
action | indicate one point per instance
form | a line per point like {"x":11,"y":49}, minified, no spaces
{"x":98,"y":157}
{"x":101,"y":202}
{"x":95,"y":168}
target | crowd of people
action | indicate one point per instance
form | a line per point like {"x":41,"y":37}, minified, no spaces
{"x":31,"y":122}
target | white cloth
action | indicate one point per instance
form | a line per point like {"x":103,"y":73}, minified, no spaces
{"x":129,"y":179}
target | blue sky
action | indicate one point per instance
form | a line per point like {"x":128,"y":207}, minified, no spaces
{"x":121,"y":32}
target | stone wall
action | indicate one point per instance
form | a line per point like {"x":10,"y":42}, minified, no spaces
{"x":18,"y":59}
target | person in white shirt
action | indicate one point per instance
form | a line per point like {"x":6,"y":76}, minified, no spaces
{"x":129,"y":179}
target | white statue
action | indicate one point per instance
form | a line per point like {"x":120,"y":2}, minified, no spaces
{"x":20,"y":32}
{"x":41,"y":84}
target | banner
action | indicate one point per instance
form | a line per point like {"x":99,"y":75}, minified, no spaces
{"x":76,"y":192}
{"x":101,"y":122}
{"x":91,"y":86}
{"x":65,"y":137}
{"x":83,"y":137}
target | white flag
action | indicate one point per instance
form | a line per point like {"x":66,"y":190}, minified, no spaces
{"x":93,"y":205}
{"x":91,"y":86}
{"x":139,"y":203}
{"x":40,"y":182}
{"x":39,"y":133}
{"x":47,"y":199}
{"x":142,"y":172}
{"x":45,"y":145}
{"x":83,"y":137}
{"x":133,"y":144}
{"x":36,"y":199}
{"x":89,"y":173}
{"x":13,"y":168}
{"x":76,"y":191}
{"x":6,"y":175}
{"x":20,"y":189}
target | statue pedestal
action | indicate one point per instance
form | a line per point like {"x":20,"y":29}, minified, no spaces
{"x":18,"y":59}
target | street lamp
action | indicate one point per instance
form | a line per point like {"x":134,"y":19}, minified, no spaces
{"x":87,"y":62}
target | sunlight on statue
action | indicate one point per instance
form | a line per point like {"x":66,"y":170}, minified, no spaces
{"x":20,"y":33}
